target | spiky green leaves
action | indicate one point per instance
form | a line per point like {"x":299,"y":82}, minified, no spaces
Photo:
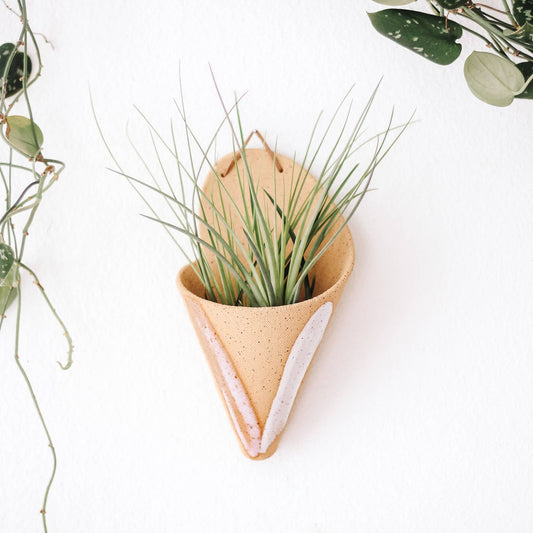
{"x":8,"y":291}
{"x":523,"y":11}
{"x":24,"y":135}
{"x":426,"y":35}
{"x":15,"y":74}
{"x":493,"y":79}
{"x":251,"y":252}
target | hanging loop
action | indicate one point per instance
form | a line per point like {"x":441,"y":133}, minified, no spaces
{"x":239,"y":154}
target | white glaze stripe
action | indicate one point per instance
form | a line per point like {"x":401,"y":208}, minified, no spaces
{"x":301,"y":355}
{"x":244,"y":439}
{"x":233,"y":385}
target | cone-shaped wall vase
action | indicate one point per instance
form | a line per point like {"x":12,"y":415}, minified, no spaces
{"x":259,"y":355}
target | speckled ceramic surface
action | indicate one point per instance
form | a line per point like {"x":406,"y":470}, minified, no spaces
{"x":259,"y":356}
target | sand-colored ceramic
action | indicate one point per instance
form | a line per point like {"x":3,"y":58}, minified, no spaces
{"x":259,"y":355}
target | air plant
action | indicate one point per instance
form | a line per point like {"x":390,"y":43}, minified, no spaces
{"x":27,"y":175}
{"x":284,"y":237}
{"x":496,"y":77}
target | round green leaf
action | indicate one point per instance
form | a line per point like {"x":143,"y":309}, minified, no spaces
{"x":426,"y":35}
{"x":526,"y":68}
{"x":492,"y":78}
{"x":16,"y":69}
{"x":7,"y":257}
{"x":523,"y":11}
{"x":451,"y":4}
{"x":8,"y":289}
{"x":24,"y":135}
{"x":394,"y":2}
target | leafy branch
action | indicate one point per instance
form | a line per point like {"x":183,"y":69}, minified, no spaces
{"x":496,"y":77}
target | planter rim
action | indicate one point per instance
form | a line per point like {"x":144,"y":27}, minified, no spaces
{"x":350,"y":254}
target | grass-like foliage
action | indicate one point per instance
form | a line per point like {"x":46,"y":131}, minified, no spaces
{"x":284,"y":234}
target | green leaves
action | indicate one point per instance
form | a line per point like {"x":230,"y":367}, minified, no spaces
{"x":526,"y":68}
{"x":24,"y":135}
{"x":492,"y":78}
{"x":16,"y":69}
{"x":7,"y":257}
{"x":8,"y":276}
{"x":255,"y":235}
{"x":426,"y":35}
{"x":8,"y":290}
{"x":496,"y":80}
{"x":451,"y":4}
{"x":523,"y":11}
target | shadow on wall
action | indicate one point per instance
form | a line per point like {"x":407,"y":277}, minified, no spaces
{"x":376,"y":308}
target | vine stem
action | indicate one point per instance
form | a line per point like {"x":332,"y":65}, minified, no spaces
{"x":38,"y":198}
{"x":473,"y":32}
{"x":509,"y":13}
{"x":490,"y":7}
{"x":54,"y":312}
{"x":18,"y":207}
{"x":495,"y":33}
{"x":435,"y":10}
{"x":37,"y":407}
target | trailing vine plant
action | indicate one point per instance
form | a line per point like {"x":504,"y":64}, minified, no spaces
{"x":26,"y":175}
{"x":496,"y":77}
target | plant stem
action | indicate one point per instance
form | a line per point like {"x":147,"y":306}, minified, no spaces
{"x":27,"y":202}
{"x":54,"y":312}
{"x":38,"y":197}
{"x":490,"y":7}
{"x":509,"y":13}
{"x":18,"y":202}
{"x":498,"y":23}
{"x":495,"y":32}
{"x":434,"y":9}
{"x":37,"y":407}
{"x":470,"y":30}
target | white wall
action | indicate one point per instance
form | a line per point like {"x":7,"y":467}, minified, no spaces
{"x":417,"y":413}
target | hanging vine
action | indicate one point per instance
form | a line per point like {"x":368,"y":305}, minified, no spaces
{"x":26,"y":175}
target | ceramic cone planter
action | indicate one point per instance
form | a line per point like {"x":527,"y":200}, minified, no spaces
{"x":259,"y":355}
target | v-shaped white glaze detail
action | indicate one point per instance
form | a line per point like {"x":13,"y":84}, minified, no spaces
{"x":235,"y":394}
{"x":232,"y":387}
{"x":295,"y":368}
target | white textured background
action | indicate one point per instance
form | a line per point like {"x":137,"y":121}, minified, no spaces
{"x":417,"y":414}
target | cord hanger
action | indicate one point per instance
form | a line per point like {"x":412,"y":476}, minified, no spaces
{"x":238,"y":155}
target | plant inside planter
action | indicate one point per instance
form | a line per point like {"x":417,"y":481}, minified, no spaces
{"x":269,"y":253}
{"x":26,"y":175}
{"x":496,"y":77}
